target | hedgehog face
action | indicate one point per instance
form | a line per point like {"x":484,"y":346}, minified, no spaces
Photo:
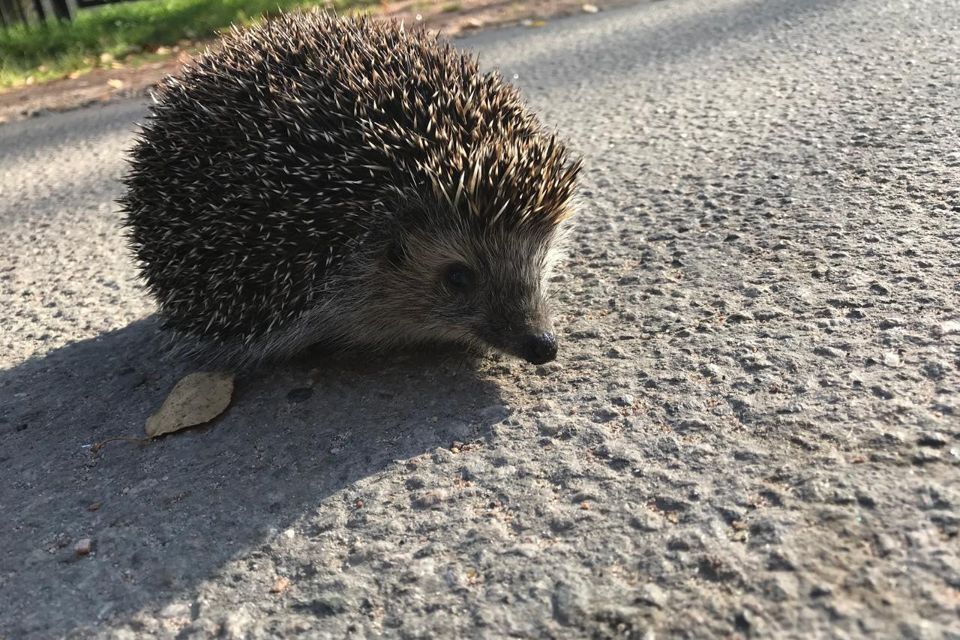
{"x":478,"y":288}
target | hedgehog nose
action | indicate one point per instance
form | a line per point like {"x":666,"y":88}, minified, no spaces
{"x":540,"y":348}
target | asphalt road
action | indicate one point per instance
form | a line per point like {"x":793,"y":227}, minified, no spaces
{"x":753,"y":427}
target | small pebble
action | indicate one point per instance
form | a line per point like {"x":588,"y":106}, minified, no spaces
{"x":934,"y":440}
{"x":949,"y":327}
{"x":926,"y":457}
{"x":653,"y":595}
{"x":281,"y":585}
{"x":821,"y":591}
{"x":828,"y":352}
{"x":615,"y":352}
{"x":626,"y":400}
{"x":299,"y":395}
{"x":83,"y":547}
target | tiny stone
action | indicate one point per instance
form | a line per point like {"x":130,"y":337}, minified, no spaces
{"x":891,"y":359}
{"x":615,"y":352}
{"x":280,"y":585}
{"x":606,"y":414}
{"x":429,"y":499}
{"x":821,"y":591}
{"x":781,"y":561}
{"x":176,"y":610}
{"x":652,"y":595}
{"x":83,"y":547}
{"x":926,"y":457}
{"x":866,"y":500}
{"x":494,"y":413}
{"x":626,"y":400}
{"x":236,"y":624}
{"x":647,"y":521}
{"x":568,"y":603}
{"x":934,"y":440}
{"x":712,"y":371}
{"x":947,"y":328}
{"x":934,"y":370}
{"x":828,"y":352}
{"x":886,"y":544}
{"x":299,"y":395}
{"x":781,"y":587}
{"x":882,"y":392}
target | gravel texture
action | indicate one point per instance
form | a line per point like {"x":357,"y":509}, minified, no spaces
{"x":753,"y":427}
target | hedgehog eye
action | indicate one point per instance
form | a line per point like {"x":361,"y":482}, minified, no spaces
{"x":459,"y":278}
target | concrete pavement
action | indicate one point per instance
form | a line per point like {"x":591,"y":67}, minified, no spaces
{"x":753,"y":427}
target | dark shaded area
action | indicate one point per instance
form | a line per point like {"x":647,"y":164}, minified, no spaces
{"x":152,"y":510}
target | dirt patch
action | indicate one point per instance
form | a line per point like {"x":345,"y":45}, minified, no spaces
{"x":449,"y":18}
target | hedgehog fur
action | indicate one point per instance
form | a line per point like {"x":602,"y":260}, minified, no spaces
{"x":318,"y":179}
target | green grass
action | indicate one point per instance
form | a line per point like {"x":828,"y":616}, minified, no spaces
{"x":119,"y":30}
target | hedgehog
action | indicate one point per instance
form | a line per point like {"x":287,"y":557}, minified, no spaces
{"x":323,"y":180}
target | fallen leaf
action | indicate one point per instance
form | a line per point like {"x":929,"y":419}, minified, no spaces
{"x":116,"y":84}
{"x":196,"y":399}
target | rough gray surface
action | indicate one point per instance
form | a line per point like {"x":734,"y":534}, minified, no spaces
{"x":754,"y":426}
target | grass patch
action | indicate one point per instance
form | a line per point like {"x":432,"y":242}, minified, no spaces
{"x":115,"y":31}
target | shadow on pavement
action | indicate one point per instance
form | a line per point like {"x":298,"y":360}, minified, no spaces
{"x":165,"y":516}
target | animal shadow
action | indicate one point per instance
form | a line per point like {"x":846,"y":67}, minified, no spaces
{"x":162,"y":517}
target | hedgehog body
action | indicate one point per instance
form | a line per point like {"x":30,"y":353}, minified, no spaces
{"x":344,"y":181}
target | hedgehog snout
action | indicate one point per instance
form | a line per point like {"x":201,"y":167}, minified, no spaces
{"x":539,"y":348}
{"x":534,"y":342}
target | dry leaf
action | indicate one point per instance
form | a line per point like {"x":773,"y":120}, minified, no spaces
{"x":116,"y":84}
{"x":196,"y":399}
